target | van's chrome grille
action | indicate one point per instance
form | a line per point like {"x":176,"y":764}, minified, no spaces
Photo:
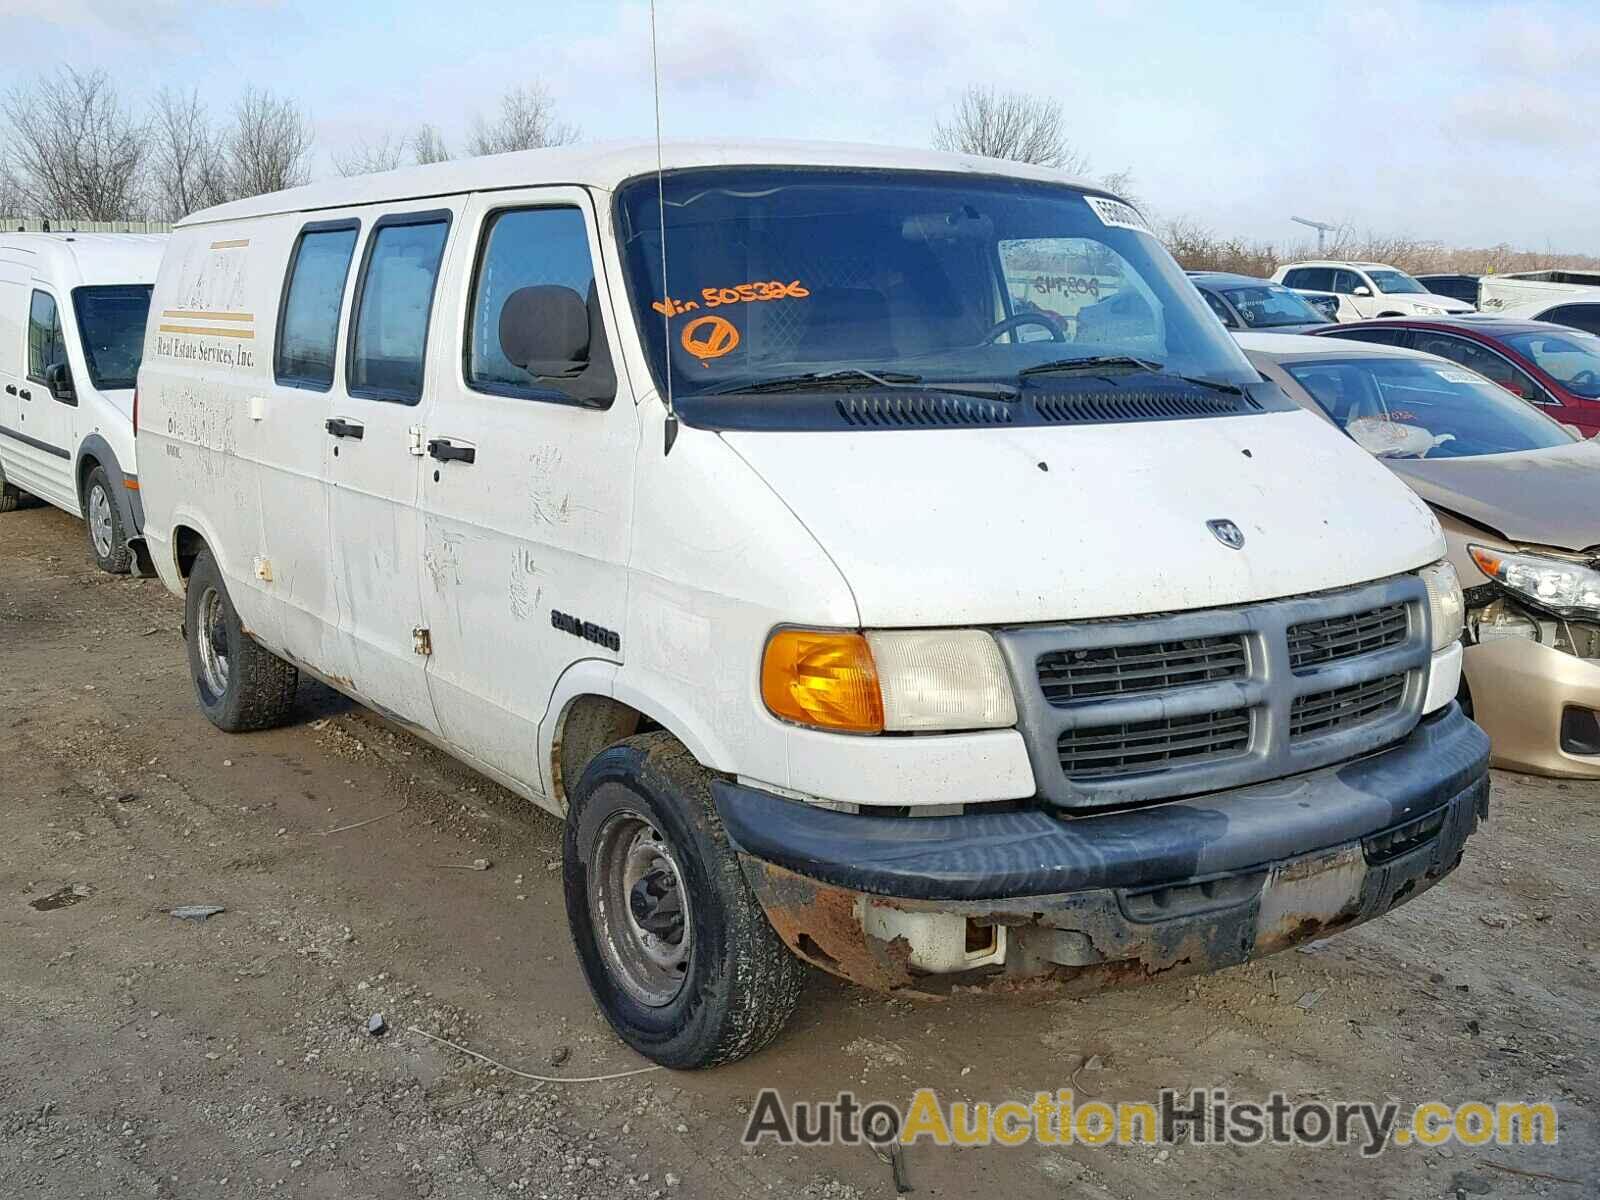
{"x":1069,"y":676}
{"x":1151,"y":708}
{"x":1333,"y":638}
{"x":1152,"y":745}
{"x":1322,"y":713}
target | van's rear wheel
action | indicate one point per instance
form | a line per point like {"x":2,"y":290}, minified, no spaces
{"x":108,"y":540}
{"x":676,"y":949}
{"x":240,"y":686}
{"x":11,"y":498}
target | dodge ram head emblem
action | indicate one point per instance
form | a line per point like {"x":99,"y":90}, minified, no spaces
{"x":1227,"y":533}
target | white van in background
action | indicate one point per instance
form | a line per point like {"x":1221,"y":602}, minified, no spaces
{"x":974,"y":614}
{"x":72,"y":325}
{"x":1519,"y":293}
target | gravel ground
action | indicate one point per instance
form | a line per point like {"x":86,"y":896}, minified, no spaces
{"x":142,"y":1054}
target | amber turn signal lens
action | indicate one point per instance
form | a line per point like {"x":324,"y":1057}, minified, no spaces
{"x":827,"y":679}
{"x":1488,"y":561}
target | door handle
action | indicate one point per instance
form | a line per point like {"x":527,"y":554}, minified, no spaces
{"x":25,"y":394}
{"x":11,"y":389}
{"x":345,"y":429}
{"x":445,"y":450}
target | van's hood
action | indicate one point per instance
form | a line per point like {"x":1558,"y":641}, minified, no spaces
{"x":995,"y":526}
{"x":1544,"y":497}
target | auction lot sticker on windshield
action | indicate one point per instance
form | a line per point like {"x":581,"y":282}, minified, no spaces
{"x":1118,"y":215}
{"x":1457,"y":376}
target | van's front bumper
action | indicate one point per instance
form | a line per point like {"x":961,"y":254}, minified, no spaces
{"x":1093,"y":901}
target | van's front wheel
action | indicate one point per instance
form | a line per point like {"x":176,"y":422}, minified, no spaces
{"x":675,"y":947}
{"x":240,"y":686}
{"x":108,"y":540}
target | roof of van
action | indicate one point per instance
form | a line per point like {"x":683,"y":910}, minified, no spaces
{"x":606,"y":165}
{"x":72,"y":259}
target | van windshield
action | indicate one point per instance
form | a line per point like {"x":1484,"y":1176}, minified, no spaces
{"x":776,"y":275}
{"x":111,"y":328}
{"x":1404,"y":407}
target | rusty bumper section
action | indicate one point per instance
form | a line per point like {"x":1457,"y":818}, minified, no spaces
{"x":1361,"y":839}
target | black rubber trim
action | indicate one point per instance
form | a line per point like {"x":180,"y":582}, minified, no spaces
{"x":1030,"y":852}
{"x":17,"y":435}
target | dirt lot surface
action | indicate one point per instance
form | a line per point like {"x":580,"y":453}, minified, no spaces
{"x":146,"y":1055}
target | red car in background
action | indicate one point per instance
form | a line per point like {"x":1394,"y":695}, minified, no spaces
{"x":1551,"y":366}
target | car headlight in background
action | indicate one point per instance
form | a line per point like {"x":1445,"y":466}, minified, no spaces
{"x":1427,"y":310}
{"x":898,"y":681}
{"x":1564,"y":588}
{"x":1446,"y":607}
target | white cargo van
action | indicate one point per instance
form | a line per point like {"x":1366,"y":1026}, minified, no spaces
{"x":974,"y":613}
{"x":72,"y":314}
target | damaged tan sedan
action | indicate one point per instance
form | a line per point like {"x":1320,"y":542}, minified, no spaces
{"x":1518,"y":496}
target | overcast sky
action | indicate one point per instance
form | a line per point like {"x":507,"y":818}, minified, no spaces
{"x":1473,"y":123}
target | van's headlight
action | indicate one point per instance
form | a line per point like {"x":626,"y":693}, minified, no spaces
{"x":1445,"y":606}
{"x":1563,"y":588}
{"x":896,"y":681}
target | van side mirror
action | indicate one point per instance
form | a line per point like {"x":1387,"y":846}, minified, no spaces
{"x":553,"y":334}
{"x":58,"y":377}
{"x":544,"y":329}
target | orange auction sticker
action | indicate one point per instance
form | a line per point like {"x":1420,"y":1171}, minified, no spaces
{"x":744,"y":293}
{"x":709,"y":337}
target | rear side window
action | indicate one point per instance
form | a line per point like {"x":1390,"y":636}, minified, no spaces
{"x":1577,"y":316}
{"x":532,"y":248}
{"x":1384,"y":337}
{"x":394,"y":303}
{"x":1485,"y":362}
{"x":46,"y":346}
{"x":308,"y":322}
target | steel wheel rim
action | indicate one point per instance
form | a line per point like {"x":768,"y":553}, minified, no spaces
{"x":641,"y":910}
{"x":100,"y":520}
{"x":211,"y":637}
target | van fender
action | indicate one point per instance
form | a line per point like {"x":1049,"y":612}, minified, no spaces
{"x":599,"y":677}
{"x":129,"y":507}
{"x":185,"y":516}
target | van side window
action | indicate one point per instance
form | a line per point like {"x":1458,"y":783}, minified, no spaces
{"x":393,"y":305}
{"x":46,"y":346}
{"x":543,"y":252}
{"x":308,"y":319}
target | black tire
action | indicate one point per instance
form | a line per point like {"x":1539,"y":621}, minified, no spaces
{"x":740,"y":983}
{"x":108,"y":539}
{"x":249,"y":688}
{"x":11,"y":498}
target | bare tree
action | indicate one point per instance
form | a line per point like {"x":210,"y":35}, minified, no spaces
{"x":428,"y":145}
{"x":188,"y":171}
{"x":1121,"y":183}
{"x":527,"y":121}
{"x":74,"y":149}
{"x":268,"y":147}
{"x":367,"y":158}
{"x":1011,"y":125}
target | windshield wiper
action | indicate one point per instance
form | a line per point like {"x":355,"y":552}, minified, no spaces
{"x":1068,"y":366}
{"x":1094,"y":362}
{"x":810,"y":381}
{"x":853,"y":379}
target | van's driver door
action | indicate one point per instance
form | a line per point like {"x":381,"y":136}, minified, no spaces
{"x":527,"y":482}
